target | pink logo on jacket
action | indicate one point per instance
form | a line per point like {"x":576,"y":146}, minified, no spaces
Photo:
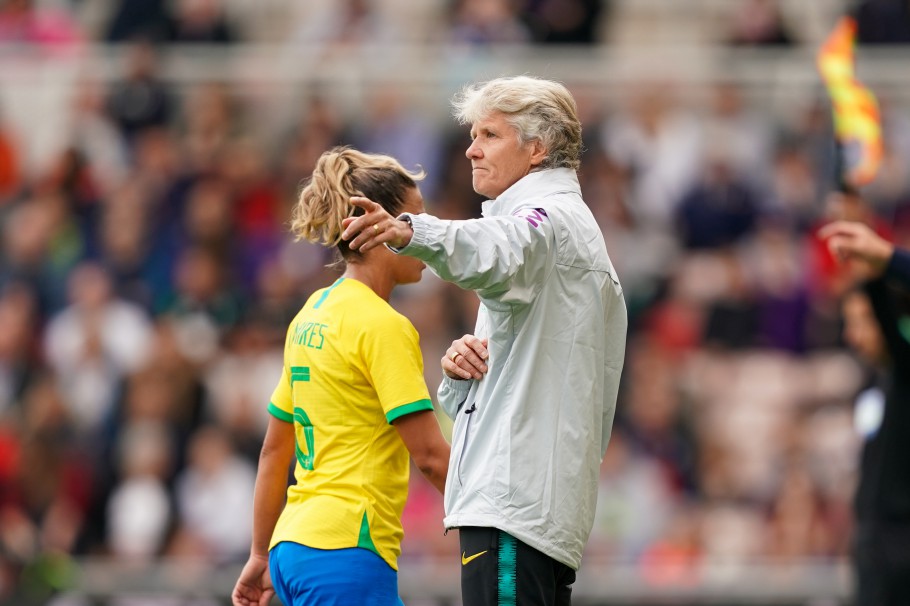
{"x":534,"y":216}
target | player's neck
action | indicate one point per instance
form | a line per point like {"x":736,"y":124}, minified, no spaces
{"x":376,"y":278}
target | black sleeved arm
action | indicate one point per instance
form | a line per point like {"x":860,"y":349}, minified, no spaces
{"x":885,"y":301}
{"x":898,"y":269}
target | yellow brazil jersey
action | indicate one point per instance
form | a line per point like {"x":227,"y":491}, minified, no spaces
{"x":352,"y":365}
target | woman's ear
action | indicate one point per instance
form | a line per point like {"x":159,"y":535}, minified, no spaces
{"x":538,"y":153}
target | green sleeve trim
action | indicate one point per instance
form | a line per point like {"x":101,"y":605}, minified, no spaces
{"x":406,"y":409}
{"x":280,"y":414}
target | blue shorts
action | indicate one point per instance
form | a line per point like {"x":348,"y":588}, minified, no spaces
{"x":331,"y":577}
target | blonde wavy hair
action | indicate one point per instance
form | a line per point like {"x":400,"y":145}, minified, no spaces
{"x":342,"y":172}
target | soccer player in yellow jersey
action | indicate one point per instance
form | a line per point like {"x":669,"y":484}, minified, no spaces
{"x":350,"y":406}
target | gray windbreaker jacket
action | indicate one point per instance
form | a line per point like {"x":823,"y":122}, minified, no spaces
{"x":529,"y":437}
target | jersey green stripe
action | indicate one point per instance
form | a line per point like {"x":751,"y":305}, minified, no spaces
{"x":308,"y":459}
{"x":365,"y":541}
{"x":305,"y":460}
{"x":406,"y":409}
{"x":326,"y":293}
{"x":507,"y":573}
{"x":280,"y":414}
{"x":299,"y":373}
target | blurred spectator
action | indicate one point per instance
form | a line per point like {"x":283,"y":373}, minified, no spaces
{"x":10,"y":169}
{"x":641,"y":252}
{"x":41,"y":244}
{"x":92,"y":344}
{"x":275,"y":302}
{"x":743,"y":136}
{"x":22,"y":22}
{"x":42,"y":513}
{"x":123,"y":246}
{"x":794,"y":190}
{"x":132,"y":20}
{"x":141,"y":100}
{"x":758,"y":23}
{"x":742,"y":404}
{"x":318,"y":128}
{"x":214,"y":496}
{"x":720,"y":209}
{"x":70,"y":182}
{"x":890,"y":192}
{"x":158,"y":164}
{"x":482,"y":22}
{"x":183,"y":395}
{"x":239,"y":381}
{"x":773,"y":263}
{"x":729,"y":299}
{"x":732,"y":536}
{"x":797,"y":522}
{"x":652,"y":419}
{"x":97,"y":139}
{"x":204,"y":306}
{"x":255,"y":209}
{"x":199,"y":22}
{"x":675,"y":558}
{"x":882,"y":22}
{"x":18,"y":355}
{"x":659,"y":144}
{"x":809,"y":131}
{"x":565,"y":21}
{"x":207,"y":220}
{"x":210,"y":117}
{"x":139,"y":511}
{"x":396,"y":128}
{"x":333,"y":27}
{"x":635,"y":502}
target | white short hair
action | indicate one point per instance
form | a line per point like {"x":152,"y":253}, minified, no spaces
{"x":536,"y":108}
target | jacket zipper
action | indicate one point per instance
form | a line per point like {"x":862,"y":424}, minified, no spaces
{"x":464,"y":442}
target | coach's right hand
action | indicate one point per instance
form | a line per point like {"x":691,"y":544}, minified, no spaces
{"x":466,"y":358}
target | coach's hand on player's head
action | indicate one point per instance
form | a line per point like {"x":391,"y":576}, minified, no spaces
{"x":466,"y":358}
{"x":374,"y":227}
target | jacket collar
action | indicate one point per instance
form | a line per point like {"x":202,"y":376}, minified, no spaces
{"x":533,"y":185}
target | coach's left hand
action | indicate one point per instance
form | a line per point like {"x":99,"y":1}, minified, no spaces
{"x":466,"y":358}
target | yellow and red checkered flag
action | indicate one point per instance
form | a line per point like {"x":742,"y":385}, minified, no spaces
{"x":857,"y":122}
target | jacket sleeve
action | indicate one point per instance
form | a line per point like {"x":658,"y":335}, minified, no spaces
{"x":452,"y":394}
{"x":885,"y":302}
{"x":502,"y":258}
{"x":898,"y":269}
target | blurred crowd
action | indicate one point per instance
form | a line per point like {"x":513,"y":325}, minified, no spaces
{"x":147,"y":279}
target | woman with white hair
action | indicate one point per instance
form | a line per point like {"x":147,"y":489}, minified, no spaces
{"x":533,"y":390}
